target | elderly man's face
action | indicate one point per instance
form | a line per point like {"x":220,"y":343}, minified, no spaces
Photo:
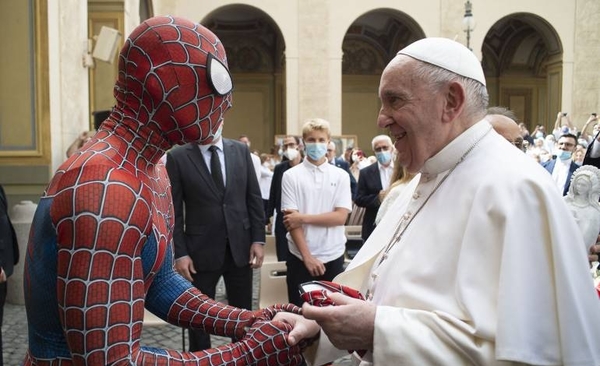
{"x":506,"y":128}
{"x":411,"y":112}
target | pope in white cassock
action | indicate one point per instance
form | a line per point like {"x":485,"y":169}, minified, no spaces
{"x":475,"y":263}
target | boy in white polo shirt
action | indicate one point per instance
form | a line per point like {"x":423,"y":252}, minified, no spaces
{"x":316,"y":200}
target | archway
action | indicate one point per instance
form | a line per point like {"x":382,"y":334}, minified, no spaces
{"x":255,"y":53}
{"x":522,"y":61}
{"x":371,"y":41}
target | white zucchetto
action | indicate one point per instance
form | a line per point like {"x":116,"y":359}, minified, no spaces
{"x":447,"y":54}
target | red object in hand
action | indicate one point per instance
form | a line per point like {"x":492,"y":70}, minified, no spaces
{"x":315,"y":293}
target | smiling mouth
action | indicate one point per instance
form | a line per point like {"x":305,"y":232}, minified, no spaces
{"x":399,"y":137}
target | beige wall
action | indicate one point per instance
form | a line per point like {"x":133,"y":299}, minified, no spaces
{"x":313,"y":32}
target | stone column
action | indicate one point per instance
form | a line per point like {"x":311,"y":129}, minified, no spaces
{"x":21,"y":218}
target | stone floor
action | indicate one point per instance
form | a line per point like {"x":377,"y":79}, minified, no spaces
{"x":14,"y":332}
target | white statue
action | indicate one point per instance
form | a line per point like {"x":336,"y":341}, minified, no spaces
{"x":582,"y":200}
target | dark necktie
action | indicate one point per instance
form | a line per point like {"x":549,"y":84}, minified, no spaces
{"x":215,"y":168}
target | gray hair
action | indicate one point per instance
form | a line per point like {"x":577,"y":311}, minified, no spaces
{"x":475,"y":93}
{"x":378,"y":138}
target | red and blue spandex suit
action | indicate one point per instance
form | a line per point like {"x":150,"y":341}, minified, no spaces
{"x":100,"y":249}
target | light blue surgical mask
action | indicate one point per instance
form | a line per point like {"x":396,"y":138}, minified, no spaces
{"x":564,"y":155}
{"x":315,"y":150}
{"x":539,"y":134}
{"x":383,"y":157}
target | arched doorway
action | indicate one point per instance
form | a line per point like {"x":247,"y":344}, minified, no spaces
{"x":371,"y":41}
{"x":522,"y":61}
{"x":255,"y":53}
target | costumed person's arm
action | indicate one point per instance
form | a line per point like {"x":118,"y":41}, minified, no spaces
{"x":183,"y":262}
{"x":103,"y":224}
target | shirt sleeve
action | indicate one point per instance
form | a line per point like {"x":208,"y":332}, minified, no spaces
{"x":289,"y":199}
{"x":344,"y":194}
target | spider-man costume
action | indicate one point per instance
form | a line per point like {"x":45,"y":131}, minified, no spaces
{"x":100,"y":248}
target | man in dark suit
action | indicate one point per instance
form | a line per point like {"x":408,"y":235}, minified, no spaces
{"x":219,"y":220}
{"x":373,"y":181}
{"x":9,"y":256}
{"x":292,"y":155}
{"x":342,"y":164}
{"x":562,"y":167}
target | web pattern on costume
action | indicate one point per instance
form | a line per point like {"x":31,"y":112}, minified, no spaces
{"x":100,"y":248}
{"x":169,"y":86}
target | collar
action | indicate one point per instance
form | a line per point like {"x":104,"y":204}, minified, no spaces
{"x":566,"y":162}
{"x":386,"y":167}
{"x":312,"y":166}
{"x":204,"y":148}
{"x":449,"y":155}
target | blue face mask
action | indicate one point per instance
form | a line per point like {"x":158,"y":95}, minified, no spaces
{"x":315,"y":150}
{"x":564,"y":155}
{"x":539,"y":134}
{"x":383,"y":157}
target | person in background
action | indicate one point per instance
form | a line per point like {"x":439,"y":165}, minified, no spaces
{"x":348,"y":154}
{"x":399,"y":180}
{"x":374,"y":181}
{"x":292,"y":153}
{"x":562,"y":167}
{"x":255,"y":158}
{"x":266,"y":176}
{"x":504,"y":122}
{"x":9,"y":256}
{"x":342,"y":164}
{"x":219,"y":220}
{"x":458,"y":273}
{"x":525,"y":133}
{"x":85,"y":136}
{"x":563,"y":125}
{"x":315,"y":200}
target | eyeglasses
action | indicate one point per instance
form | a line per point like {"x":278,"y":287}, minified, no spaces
{"x":567,"y":144}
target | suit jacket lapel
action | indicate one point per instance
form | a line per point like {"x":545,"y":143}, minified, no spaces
{"x":197,"y":160}
{"x":228,"y":152}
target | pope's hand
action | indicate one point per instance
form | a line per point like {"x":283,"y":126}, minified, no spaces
{"x":349,"y":324}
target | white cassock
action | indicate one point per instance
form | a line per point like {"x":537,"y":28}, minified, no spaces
{"x":489,"y":270}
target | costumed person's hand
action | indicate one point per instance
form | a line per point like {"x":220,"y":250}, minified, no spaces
{"x":257,"y":255}
{"x":185,"y":267}
{"x":270,"y":312}
{"x":292,"y":220}
{"x":314,"y":266}
{"x":303,"y":329}
{"x":267,"y":345}
{"x":2,"y":275}
{"x":349,"y":324}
